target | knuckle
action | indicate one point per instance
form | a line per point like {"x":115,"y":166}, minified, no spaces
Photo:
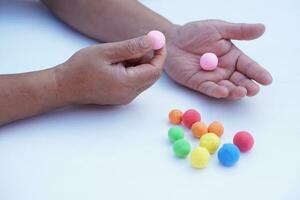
{"x":237,"y":78}
{"x":143,"y":43}
{"x":136,"y":45}
{"x":203,"y":88}
{"x":131,"y":47}
{"x":157,"y":74}
{"x":251,"y":69}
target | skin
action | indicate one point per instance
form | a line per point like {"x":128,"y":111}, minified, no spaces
{"x":112,"y":74}
{"x":113,"y":20}
{"x":106,"y":74}
{"x":233,"y":79}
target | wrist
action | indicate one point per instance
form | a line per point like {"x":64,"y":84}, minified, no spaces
{"x":171,"y":30}
{"x":171,"y":35}
{"x":63,"y":87}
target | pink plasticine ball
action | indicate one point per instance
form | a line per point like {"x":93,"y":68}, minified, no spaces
{"x":244,"y":141}
{"x":158,"y":39}
{"x":209,"y":61}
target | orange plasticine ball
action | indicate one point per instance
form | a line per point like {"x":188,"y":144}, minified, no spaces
{"x":199,"y":129}
{"x":175,"y":116}
{"x":216,"y":128}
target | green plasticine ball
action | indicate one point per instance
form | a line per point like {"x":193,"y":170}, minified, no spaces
{"x":175,"y":133}
{"x":181,"y":148}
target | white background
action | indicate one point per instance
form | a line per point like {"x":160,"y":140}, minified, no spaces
{"x":122,"y":152}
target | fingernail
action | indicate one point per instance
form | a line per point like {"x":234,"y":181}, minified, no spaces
{"x":269,"y":79}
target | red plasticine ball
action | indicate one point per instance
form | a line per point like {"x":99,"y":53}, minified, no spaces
{"x":244,"y":141}
{"x":190,"y":117}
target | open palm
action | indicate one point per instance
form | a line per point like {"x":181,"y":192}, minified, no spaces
{"x":237,"y":75}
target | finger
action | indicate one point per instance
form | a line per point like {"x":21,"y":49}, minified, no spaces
{"x":235,"y":92}
{"x":239,"y":31}
{"x":146,"y":74}
{"x":213,"y":90}
{"x":241,"y":80}
{"x":145,"y":87}
{"x":128,"y":49}
{"x":253,"y":70}
{"x":159,"y":57}
{"x":143,"y":75}
{"x":137,"y":61}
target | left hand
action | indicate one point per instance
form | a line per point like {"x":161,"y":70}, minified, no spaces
{"x":237,"y":75}
{"x":110,"y":73}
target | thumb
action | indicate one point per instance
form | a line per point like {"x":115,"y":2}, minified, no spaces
{"x":240,"y":31}
{"x":128,"y":49}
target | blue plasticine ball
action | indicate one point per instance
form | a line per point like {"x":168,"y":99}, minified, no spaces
{"x":229,"y":154}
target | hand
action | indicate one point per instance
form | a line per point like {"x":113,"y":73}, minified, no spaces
{"x":234,"y":78}
{"x":111,"y":73}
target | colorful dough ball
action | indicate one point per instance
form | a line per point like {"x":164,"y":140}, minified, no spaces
{"x":158,"y":39}
{"x":228,"y":155}
{"x":244,"y":141}
{"x":209,"y":61}
{"x":199,"y":158}
{"x":199,"y":129}
{"x":175,"y":116}
{"x":181,"y":148}
{"x":216,"y":128}
{"x":211,"y":142}
{"x":190,"y":117}
{"x":175,"y":133}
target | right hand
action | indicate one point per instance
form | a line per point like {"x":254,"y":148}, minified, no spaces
{"x":111,"y":73}
{"x":237,"y":74}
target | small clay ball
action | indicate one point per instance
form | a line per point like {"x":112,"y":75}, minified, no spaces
{"x":216,"y":128}
{"x":209,"y":61}
{"x":228,"y":155}
{"x":199,"y":129}
{"x":190,"y":117}
{"x":175,"y":133}
{"x":244,"y":141}
{"x":175,"y":116}
{"x":199,"y":158}
{"x":158,"y":39}
{"x":181,"y":148}
{"x":211,"y":142}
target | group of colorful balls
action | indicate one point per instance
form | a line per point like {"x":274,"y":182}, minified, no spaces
{"x":228,"y":154}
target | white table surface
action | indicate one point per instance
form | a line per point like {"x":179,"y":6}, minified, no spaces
{"x":122,"y":152}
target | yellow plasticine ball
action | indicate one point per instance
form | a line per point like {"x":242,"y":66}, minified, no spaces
{"x":199,"y":129}
{"x":199,"y":158}
{"x":211,"y":142}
